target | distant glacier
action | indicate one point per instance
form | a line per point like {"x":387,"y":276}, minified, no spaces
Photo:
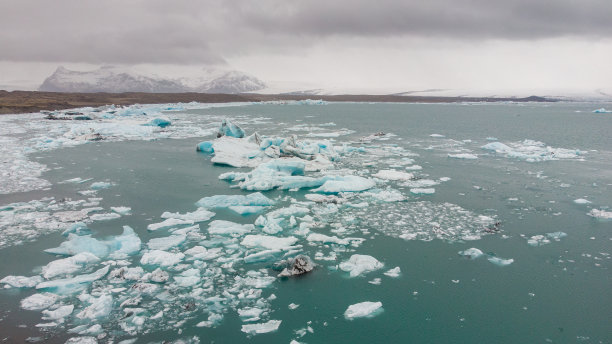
{"x":112,"y":79}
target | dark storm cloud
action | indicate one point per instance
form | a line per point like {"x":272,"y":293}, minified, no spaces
{"x":204,"y":31}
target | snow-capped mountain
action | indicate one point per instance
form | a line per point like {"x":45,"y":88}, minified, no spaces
{"x":114,"y":79}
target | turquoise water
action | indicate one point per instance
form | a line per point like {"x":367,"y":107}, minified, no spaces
{"x":558,"y":292}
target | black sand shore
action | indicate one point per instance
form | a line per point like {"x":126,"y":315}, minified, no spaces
{"x":32,"y":101}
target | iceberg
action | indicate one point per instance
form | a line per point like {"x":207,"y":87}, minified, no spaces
{"x":582,"y":201}
{"x":365,"y":309}
{"x":500,"y":261}
{"x":394,"y":273}
{"x":268,"y":242}
{"x":70,"y":283}
{"x":296,"y":266}
{"x":99,"y":307}
{"x":205,"y":147}
{"x":37,"y":302}
{"x":68,"y":265}
{"x":471,"y":253}
{"x":602,"y":110}
{"x":169,"y":223}
{"x":225,"y":201}
{"x":200,"y":215}
{"x":21,"y":281}
{"x":236,"y":152}
{"x":161,"y":258}
{"x":76,"y":244}
{"x":337,"y":184}
{"x":221,"y":227}
{"x":59,"y":313}
{"x":466,"y":156}
{"x":188,"y":278}
{"x":266,"y":327}
{"x":422,"y":191}
{"x":393,"y":175}
{"x":360,"y":264}
{"x":166,"y":243}
{"x":230,"y":129}
{"x":122,"y":210}
{"x":159,"y":122}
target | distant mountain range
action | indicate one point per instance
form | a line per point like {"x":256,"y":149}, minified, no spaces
{"x":112,"y":79}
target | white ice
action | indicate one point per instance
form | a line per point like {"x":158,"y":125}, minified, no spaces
{"x":365,"y":309}
{"x":266,"y":327}
{"x":360,"y":264}
{"x":393,"y":175}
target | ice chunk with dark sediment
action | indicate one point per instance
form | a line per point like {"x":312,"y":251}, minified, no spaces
{"x":600,"y":214}
{"x":365,"y":309}
{"x":296,"y":266}
{"x":359,"y":264}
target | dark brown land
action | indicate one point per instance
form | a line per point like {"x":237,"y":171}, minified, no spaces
{"x":32,"y":101}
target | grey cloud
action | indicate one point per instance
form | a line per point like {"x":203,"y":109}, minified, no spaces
{"x":200,"y":32}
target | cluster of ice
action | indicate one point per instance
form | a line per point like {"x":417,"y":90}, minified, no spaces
{"x":539,"y":240}
{"x":600,"y":214}
{"x":365,"y":309}
{"x":23,"y":222}
{"x":474,"y":253}
{"x":532,"y":151}
{"x":102,"y":124}
{"x":602,"y":110}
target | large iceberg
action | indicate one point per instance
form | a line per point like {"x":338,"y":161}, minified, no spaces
{"x":360,"y":264}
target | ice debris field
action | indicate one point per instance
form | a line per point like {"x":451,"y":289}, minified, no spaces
{"x":335,"y":192}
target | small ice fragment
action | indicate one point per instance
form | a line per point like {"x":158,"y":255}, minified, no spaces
{"x":465,"y":156}
{"x":59,"y":313}
{"x":100,"y":185}
{"x":159,"y":122}
{"x":500,"y":261}
{"x":228,"y":228}
{"x":250,"y":314}
{"x":200,"y":215}
{"x":169,"y":223}
{"x":345,"y":184}
{"x":266,"y":327}
{"x":582,"y":201}
{"x":376,"y":281}
{"x":247,"y":209}
{"x":395,"y":272}
{"x":422,"y":191}
{"x":122,"y":210}
{"x":205,"y":146}
{"x":296,"y":266}
{"x":224,"y":201}
{"x":437,"y":135}
{"x":69,"y":283}
{"x":602,"y":110}
{"x":166,"y":243}
{"x":471,"y":253}
{"x":104,"y":216}
{"x":365,"y":309}
{"x":360,"y":264}
{"x":293,"y":306}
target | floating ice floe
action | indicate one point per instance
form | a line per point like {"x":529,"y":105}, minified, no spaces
{"x":602,"y":110}
{"x":365,"y":309}
{"x":422,"y":191}
{"x":125,"y":244}
{"x":338,"y":184}
{"x":68,"y":265}
{"x":122,"y":210}
{"x":393,"y":175}
{"x":532,"y":151}
{"x":38,"y":301}
{"x":200,"y":215}
{"x":100,"y":185}
{"x":296,"y":266}
{"x":69,"y":284}
{"x":20,"y":281}
{"x":169,"y":223}
{"x":500,"y":261}
{"x":228,"y":228}
{"x":161,"y":258}
{"x":582,"y":201}
{"x":394,"y":273}
{"x":360,"y":264}
{"x":266,"y":327}
{"x":600,"y":214}
{"x":466,"y":156}
{"x":471,"y":253}
{"x":268,"y":242}
{"x":226,"y":201}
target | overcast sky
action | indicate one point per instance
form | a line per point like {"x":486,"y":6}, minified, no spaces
{"x":349,"y":44}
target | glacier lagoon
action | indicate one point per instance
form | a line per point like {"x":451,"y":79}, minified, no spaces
{"x":497,"y":216}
